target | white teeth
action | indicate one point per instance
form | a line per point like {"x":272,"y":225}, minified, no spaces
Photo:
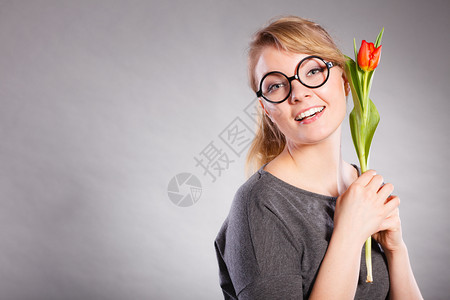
{"x":309,"y":113}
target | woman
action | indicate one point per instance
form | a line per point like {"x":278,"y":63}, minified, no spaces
{"x":297,"y":227}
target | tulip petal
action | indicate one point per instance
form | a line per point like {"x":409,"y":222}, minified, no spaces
{"x":363,"y":56}
{"x":375,"y":58}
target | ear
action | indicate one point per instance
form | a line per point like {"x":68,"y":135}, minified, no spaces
{"x":265,"y":110}
{"x":346,"y":85}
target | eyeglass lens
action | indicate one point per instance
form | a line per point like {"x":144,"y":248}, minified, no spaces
{"x":312,"y":73}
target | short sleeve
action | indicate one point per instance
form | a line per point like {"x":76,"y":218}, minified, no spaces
{"x":257,"y":251}
{"x":275,"y":249}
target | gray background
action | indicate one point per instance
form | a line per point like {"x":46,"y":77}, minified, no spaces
{"x":103,"y":102}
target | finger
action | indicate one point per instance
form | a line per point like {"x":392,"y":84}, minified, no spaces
{"x":392,"y":203}
{"x":385,"y":191}
{"x":392,"y":224}
{"x":365,"y":178}
{"x":395,"y":212}
{"x":375,"y":183}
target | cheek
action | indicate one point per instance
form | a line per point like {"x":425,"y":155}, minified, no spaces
{"x":275,"y":111}
{"x":335,"y":92}
{"x":279,"y":114}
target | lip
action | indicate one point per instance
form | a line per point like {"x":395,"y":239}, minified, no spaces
{"x":317,"y":116}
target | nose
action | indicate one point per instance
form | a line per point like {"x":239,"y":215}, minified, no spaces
{"x":299,"y":92}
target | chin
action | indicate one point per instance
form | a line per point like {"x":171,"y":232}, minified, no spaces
{"x":313,"y":136}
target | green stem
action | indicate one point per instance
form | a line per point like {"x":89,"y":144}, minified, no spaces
{"x":368,"y":244}
{"x":364,"y":167}
{"x":369,"y":259}
{"x":362,"y":162}
{"x":365,"y":96}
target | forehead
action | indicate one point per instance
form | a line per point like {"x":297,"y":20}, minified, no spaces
{"x":272,"y":59}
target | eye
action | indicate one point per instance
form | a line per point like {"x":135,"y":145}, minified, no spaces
{"x":274,"y":87}
{"x":315,"y":71}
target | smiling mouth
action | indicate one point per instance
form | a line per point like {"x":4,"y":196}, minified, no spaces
{"x":309,"y":113}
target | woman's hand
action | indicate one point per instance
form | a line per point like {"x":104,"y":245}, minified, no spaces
{"x":389,"y":233}
{"x":364,"y":209}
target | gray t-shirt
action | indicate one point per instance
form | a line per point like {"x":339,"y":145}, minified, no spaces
{"x":274,"y":239}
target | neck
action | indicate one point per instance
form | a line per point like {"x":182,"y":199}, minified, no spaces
{"x":320,"y":167}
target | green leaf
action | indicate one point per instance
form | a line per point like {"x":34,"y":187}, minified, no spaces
{"x":377,"y":44}
{"x":378,"y":40}
{"x":363,"y":131}
{"x":369,"y":81}
{"x":356,"y":50}
{"x":355,"y":129}
{"x":359,"y":75}
{"x":352,"y":72}
{"x":373,"y":118}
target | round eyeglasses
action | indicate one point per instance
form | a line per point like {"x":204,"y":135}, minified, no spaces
{"x":312,"y":72}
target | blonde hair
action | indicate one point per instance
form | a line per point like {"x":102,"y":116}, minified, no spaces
{"x":295,"y":35}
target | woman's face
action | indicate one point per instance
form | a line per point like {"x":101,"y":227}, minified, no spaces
{"x":331,"y":97}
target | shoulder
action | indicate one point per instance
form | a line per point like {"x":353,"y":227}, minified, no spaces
{"x":255,"y":185}
{"x":251,"y":197}
{"x":261,"y":205}
{"x":255,"y":193}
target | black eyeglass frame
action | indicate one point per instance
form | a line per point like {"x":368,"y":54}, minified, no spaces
{"x":290,"y":79}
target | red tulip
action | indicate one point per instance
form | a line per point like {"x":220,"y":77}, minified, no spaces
{"x":368,"y":56}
